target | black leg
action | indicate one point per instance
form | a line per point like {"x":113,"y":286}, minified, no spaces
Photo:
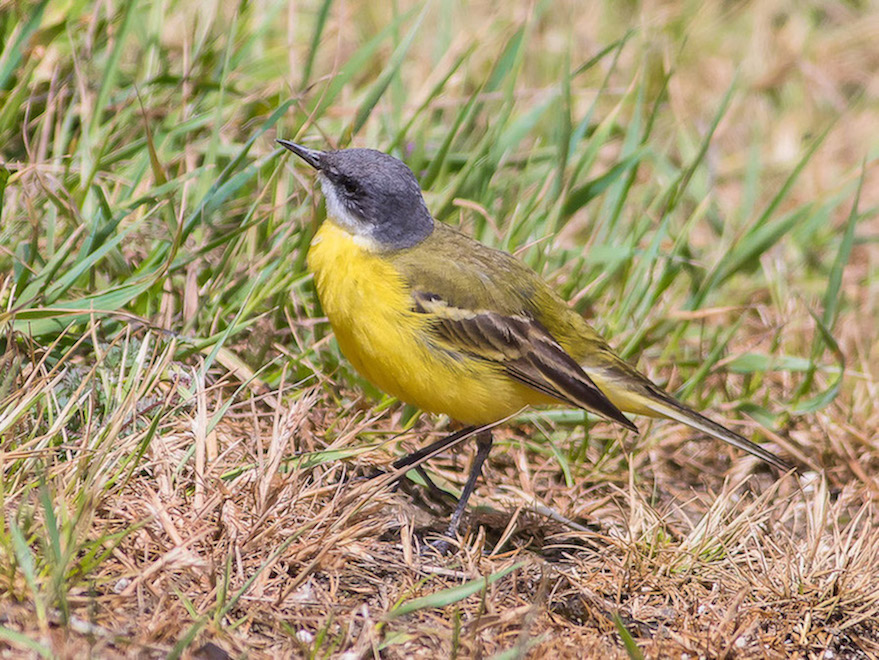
{"x":421,"y":454}
{"x":432,"y":448}
{"x":437,"y":492}
{"x":483,"y":448}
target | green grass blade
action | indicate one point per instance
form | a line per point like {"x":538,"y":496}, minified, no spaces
{"x":564,"y":127}
{"x":111,"y":69}
{"x":354,"y":65}
{"x":762,"y":234}
{"x":453,"y":595}
{"x":825,"y":397}
{"x":27,"y":565}
{"x":16,"y":638}
{"x":319,"y":25}
{"x":381,"y":84}
{"x":629,"y":642}
{"x":438,"y":159}
{"x":12,"y":55}
{"x":434,"y":94}
{"x":43,"y":321}
{"x":585,"y":193}
{"x":834,"y":281}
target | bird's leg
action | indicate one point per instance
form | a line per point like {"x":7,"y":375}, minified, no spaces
{"x":411,"y":488}
{"x":432,"y":448}
{"x":483,"y":448}
{"x":422,"y":453}
{"x":437,"y":492}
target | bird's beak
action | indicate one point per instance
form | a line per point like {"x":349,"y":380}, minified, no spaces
{"x":311,"y":156}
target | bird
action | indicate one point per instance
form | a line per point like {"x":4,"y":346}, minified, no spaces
{"x":452,"y":326}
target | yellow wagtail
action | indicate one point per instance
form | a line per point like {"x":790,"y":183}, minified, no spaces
{"x":452,"y":326}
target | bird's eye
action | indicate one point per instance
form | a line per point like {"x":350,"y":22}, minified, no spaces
{"x":349,"y":186}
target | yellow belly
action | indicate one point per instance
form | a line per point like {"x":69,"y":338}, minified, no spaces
{"x":369,"y":307}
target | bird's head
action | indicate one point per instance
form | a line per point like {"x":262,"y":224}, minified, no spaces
{"x":371,"y":195}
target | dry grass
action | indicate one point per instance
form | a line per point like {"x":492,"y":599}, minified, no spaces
{"x":691,"y":553}
{"x":189,"y":473}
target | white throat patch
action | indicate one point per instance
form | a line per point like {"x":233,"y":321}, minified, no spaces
{"x":339,"y":214}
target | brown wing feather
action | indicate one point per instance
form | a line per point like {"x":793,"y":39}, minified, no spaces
{"x":523,"y":348}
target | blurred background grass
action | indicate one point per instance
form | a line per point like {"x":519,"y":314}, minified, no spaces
{"x":697,"y":178}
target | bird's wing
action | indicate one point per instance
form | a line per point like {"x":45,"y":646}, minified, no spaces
{"x":521,"y":346}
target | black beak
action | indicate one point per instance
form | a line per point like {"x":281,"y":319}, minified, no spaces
{"x":311,"y":156}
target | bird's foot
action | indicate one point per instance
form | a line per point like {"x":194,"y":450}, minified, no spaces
{"x":441,"y":546}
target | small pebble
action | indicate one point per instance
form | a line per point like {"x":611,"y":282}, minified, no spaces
{"x":304,"y":636}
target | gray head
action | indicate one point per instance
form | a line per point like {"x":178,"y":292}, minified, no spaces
{"x":371,"y":195}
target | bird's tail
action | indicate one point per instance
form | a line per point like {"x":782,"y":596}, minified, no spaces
{"x":631,"y":392}
{"x":664,"y":405}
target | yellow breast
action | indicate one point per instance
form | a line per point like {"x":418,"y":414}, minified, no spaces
{"x":369,"y":307}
